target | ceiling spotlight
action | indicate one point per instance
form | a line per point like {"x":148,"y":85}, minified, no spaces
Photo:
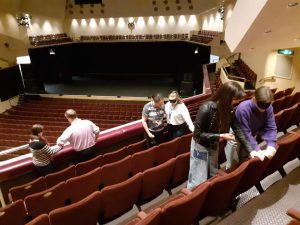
{"x":196,"y":51}
{"x":51,"y":52}
{"x":268,"y":31}
{"x":293,"y":4}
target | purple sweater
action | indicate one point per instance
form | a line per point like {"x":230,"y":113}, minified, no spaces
{"x":253,"y":122}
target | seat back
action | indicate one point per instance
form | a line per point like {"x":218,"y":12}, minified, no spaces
{"x":287,"y":117}
{"x":181,"y":169}
{"x":289,"y":91}
{"x":116,"y":172}
{"x":252,"y":174}
{"x":184,"y":144}
{"x":62,"y":175}
{"x":115,"y":156}
{"x":166,"y":151}
{"x":83,"y":212}
{"x":277,"y":104}
{"x":87,"y":166}
{"x":40,"y":220}
{"x":45,"y":201}
{"x":286,"y":146}
{"x":190,"y":206}
{"x":120,"y":198}
{"x":143,"y":160}
{"x":20,"y":192}
{"x":137,"y":147}
{"x":80,"y":187}
{"x":221,"y":192}
{"x":156,"y":179}
{"x":14,"y":214}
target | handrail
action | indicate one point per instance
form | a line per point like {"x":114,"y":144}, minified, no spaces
{"x":269,"y":78}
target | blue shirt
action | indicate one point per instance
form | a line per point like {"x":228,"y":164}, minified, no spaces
{"x":253,"y":122}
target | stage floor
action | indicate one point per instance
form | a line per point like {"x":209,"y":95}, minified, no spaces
{"x":116,"y":85}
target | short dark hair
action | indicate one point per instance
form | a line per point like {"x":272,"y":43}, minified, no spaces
{"x":263,"y":97}
{"x":157,"y":97}
{"x":36,"y":129}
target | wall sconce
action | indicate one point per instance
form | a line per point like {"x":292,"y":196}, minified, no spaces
{"x":221,"y":10}
{"x":23,"y":19}
{"x":131,"y":24}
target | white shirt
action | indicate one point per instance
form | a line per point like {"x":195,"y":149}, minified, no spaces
{"x":178,"y":115}
{"x":80,"y":134}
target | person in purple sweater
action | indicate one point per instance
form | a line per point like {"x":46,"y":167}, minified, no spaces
{"x":256,"y":119}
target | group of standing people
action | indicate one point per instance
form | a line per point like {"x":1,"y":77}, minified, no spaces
{"x":157,"y":117}
{"x":215,"y":121}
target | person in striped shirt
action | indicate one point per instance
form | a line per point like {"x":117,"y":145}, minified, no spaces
{"x":41,"y":151}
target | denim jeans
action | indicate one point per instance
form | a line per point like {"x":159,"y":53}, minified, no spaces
{"x":203,"y":163}
{"x":232,"y":149}
{"x":176,"y":130}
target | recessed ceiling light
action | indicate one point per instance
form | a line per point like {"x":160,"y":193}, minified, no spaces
{"x":268,"y":31}
{"x":293,"y":4}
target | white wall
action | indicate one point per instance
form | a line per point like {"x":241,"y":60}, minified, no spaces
{"x":263,"y":64}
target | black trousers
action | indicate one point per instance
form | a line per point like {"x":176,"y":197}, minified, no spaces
{"x":158,"y":138}
{"x":84,"y":155}
{"x":44,"y":170}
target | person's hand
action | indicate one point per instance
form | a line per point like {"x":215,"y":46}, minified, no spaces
{"x":258,"y":154}
{"x":227,"y":137}
{"x":150,"y":135}
{"x":269,"y":152}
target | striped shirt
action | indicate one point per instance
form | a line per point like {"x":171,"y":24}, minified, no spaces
{"x":41,"y":152}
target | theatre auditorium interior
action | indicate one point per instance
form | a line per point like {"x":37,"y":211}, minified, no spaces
{"x":106,"y":59}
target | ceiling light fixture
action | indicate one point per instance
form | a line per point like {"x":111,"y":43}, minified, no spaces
{"x":292,"y":4}
{"x":268,"y":31}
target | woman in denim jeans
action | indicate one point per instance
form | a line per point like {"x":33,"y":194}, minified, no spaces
{"x":212,"y":124}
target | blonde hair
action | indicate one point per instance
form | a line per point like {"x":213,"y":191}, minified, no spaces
{"x":178,"y":98}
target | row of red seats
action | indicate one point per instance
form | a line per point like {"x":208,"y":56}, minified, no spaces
{"x":141,"y":159}
{"x":154,"y":180}
{"x":286,"y":102}
{"x":221,"y":190}
{"x":286,"y":92}
{"x":236,"y":182}
{"x":287,"y":118}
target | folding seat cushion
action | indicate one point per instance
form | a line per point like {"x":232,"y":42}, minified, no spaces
{"x":184,"y":144}
{"x":143,"y":160}
{"x":221,"y":192}
{"x":115,"y":156}
{"x":116,"y":172}
{"x":20,"y":192}
{"x":62,"y":175}
{"x":45,"y":201}
{"x":40,"y":220}
{"x":80,"y":187}
{"x":14,"y":214}
{"x":166,"y":151}
{"x":185,"y":210}
{"x":83,"y":212}
{"x":153,"y":218}
{"x":89,"y":165}
{"x":156,"y":179}
{"x":120,"y":198}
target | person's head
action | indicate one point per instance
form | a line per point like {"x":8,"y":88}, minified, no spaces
{"x":71,"y":115}
{"x":263,"y":98}
{"x":158,"y":100}
{"x":36,"y":131}
{"x":225,"y":96}
{"x":174,"y":98}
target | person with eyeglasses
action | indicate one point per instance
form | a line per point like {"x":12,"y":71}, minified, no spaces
{"x":178,"y":116}
{"x":256,"y":119}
